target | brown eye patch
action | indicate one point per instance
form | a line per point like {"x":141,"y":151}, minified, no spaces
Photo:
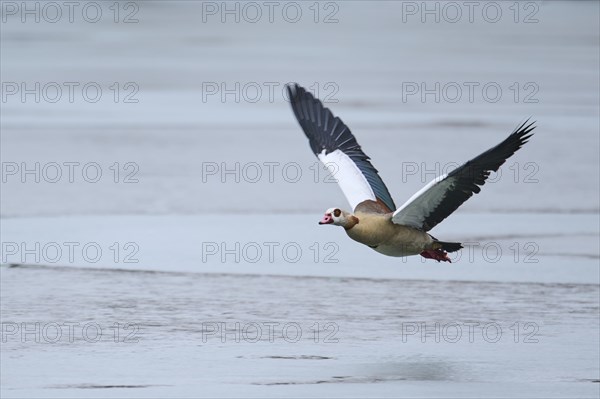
{"x":337,"y":212}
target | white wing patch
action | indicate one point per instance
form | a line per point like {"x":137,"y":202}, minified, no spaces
{"x":414,"y":211}
{"x":353,"y":183}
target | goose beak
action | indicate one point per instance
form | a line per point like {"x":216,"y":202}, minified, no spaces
{"x":327,"y":219}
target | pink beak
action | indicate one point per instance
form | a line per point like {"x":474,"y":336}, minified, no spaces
{"x":327,"y":219}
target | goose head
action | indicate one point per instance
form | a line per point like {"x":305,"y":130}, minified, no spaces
{"x":338,"y":217}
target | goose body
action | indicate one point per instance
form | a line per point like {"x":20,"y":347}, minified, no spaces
{"x":380,"y":233}
{"x":375,"y":220}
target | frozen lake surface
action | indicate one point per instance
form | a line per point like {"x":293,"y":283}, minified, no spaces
{"x":212,"y":335}
{"x":205,"y":268}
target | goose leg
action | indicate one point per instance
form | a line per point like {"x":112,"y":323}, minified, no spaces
{"x":436,"y":254}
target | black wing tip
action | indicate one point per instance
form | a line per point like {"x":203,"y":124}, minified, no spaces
{"x":293,"y":89}
{"x":517,"y":139}
{"x":525,"y":130}
{"x":302,"y":100}
{"x":296,"y":92}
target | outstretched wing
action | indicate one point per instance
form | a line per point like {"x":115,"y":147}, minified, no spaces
{"x":335,"y":146}
{"x":442,"y":196}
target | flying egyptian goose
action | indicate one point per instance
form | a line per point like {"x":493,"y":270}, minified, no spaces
{"x":376,"y":222}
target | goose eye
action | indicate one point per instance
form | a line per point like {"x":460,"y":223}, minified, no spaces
{"x":337,"y":213}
